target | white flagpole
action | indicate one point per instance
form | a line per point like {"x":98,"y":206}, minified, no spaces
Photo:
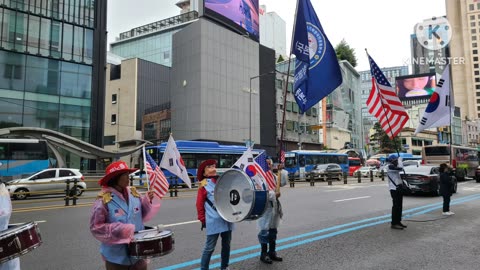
{"x":145,"y":168}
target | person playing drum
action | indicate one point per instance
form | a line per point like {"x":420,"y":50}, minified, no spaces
{"x":207,"y":214}
{"x":117,"y":214}
{"x":270,"y":220}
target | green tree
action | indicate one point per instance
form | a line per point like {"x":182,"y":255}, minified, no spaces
{"x":280,"y":59}
{"x":385,"y":144}
{"x":344,"y":52}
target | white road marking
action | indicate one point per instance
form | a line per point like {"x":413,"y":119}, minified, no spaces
{"x":350,"y":199}
{"x":181,"y":223}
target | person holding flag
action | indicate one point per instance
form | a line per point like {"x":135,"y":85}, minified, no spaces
{"x":117,"y":213}
{"x":214,"y":224}
{"x":270,"y":220}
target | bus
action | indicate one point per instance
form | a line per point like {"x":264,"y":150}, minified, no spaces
{"x":195,"y":152}
{"x":354,"y":163}
{"x":299,"y":162}
{"x":457,"y":156}
{"x":20,"y":157}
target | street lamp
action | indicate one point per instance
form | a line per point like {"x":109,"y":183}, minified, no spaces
{"x":250,"y":105}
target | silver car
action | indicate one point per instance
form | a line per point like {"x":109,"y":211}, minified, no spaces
{"x":49,"y":181}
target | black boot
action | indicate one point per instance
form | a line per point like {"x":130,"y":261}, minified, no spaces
{"x":272,"y":253}
{"x":264,"y":256}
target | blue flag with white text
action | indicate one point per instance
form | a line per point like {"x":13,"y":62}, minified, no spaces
{"x":317,"y":72}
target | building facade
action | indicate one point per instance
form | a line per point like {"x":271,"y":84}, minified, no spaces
{"x":273,"y":31}
{"x":464,"y":19}
{"x":152,"y":42}
{"x":52,"y":57}
{"x":134,"y":89}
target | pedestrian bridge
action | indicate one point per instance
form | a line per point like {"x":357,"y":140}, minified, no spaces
{"x":56,"y":140}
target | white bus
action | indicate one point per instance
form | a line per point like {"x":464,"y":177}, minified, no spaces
{"x":456,"y":156}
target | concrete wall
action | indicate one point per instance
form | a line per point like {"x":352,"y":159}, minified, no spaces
{"x":211,"y":72}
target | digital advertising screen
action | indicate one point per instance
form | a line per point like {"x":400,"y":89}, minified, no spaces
{"x":241,"y":15}
{"x":413,"y":87}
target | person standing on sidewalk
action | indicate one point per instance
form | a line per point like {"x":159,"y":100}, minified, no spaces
{"x":270,"y":220}
{"x":446,"y":187}
{"x":394,"y":183}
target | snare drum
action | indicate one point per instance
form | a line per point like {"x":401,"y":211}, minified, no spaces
{"x":151,"y":243}
{"x":238,"y":197}
{"x":18,"y":240}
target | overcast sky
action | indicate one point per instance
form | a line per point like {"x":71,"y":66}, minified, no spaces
{"x":382,"y":26}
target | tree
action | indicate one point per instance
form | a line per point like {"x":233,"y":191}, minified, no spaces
{"x":344,"y":52}
{"x":386,"y":145}
{"x":280,"y":59}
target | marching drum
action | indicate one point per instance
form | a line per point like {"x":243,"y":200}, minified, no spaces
{"x":151,"y":243}
{"x":18,"y":240}
{"x":238,"y":198}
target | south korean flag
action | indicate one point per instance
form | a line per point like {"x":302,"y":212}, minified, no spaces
{"x":438,"y":112}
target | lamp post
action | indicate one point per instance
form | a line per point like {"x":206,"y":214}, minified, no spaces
{"x":250,"y":106}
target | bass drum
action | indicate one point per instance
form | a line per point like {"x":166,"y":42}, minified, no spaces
{"x":238,"y":197}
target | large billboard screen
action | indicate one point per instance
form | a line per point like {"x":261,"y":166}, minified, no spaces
{"x":414,"y":87}
{"x":241,"y":15}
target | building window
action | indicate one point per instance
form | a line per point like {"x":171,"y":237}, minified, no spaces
{"x":289,"y":106}
{"x":115,"y":72}
{"x":473,"y":31}
{"x":113,"y":119}
{"x":278,"y":84}
{"x":470,"y":7}
{"x":109,"y":140}
{"x":474,"y":38}
{"x":114,"y":99}
{"x":475,"y":51}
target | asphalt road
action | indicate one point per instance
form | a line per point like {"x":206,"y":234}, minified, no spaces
{"x":324,"y":227}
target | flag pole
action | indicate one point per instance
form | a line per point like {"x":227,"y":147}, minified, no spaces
{"x":450,"y":111}
{"x":144,"y":165}
{"x":282,"y":126}
{"x":386,"y":115}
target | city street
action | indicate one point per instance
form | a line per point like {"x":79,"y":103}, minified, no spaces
{"x":324,"y":227}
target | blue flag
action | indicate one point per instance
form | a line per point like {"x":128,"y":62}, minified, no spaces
{"x":317,"y":72}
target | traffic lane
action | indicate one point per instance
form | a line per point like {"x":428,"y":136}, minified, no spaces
{"x":299,"y":222}
{"x":67,"y":239}
{"x":442,"y":243}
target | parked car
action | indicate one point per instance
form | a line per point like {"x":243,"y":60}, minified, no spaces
{"x":412,"y":163}
{"x":477,"y":174}
{"x":424,"y":179}
{"x":323,"y":171}
{"x":378,"y":172}
{"x":364,"y":171}
{"x":48,"y":181}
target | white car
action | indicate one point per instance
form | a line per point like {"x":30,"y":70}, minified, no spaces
{"x":49,"y":181}
{"x":138,"y":178}
{"x":364,"y":171}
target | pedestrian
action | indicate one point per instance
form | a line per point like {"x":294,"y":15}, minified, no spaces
{"x":395,"y":184}
{"x":446,"y":187}
{"x":214,"y":224}
{"x":269,"y":222}
{"x":118,"y":212}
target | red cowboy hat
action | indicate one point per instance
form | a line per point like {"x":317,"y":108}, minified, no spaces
{"x":201,"y":168}
{"x":113,"y":170}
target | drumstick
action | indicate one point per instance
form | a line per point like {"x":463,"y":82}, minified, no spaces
{"x":279,"y":174}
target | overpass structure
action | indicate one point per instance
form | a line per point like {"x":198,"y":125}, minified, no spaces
{"x":56,"y":140}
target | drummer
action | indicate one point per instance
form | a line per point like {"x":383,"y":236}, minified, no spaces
{"x":207,"y":214}
{"x":117,"y":213}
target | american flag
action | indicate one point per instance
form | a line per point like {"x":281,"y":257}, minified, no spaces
{"x":282,"y":155}
{"x":383,"y":103}
{"x":261,"y":161}
{"x":158,"y":182}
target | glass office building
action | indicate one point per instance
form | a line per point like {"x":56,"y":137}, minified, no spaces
{"x":50,"y":62}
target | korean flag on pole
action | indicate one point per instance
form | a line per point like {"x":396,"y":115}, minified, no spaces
{"x":438,"y":112}
{"x":173,"y":162}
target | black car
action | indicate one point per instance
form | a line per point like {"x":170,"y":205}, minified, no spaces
{"x":477,"y":174}
{"x":424,"y":179}
{"x":325,"y":171}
